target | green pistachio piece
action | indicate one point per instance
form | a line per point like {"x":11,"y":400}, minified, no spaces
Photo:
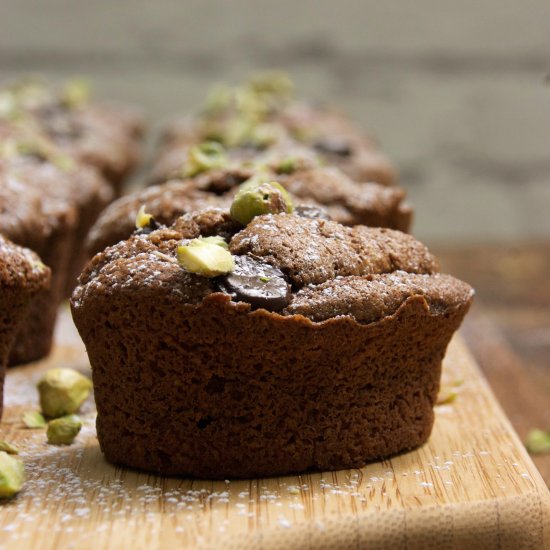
{"x":287,"y":166}
{"x":237,"y":131}
{"x":33,"y":419}
{"x":8,"y":448}
{"x":219,"y":98}
{"x":256,"y":197}
{"x":8,"y":105}
{"x":62,"y":431}
{"x":219,"y":241}
{"x":143,"y":219}
{"x":205,"y":258}
{"x":538,"y":441}
{"x":303,"y":134}
{"x":76,"y":93}
{"x":446,"y":396}
{"x":276,"y":84}
{"x":64,"y":162}
{"x":264,"y":135}
{"x":251,"y":105}
{"x":12,"y":475}
{"x":62,"y":391}
{"x":208,"y":155}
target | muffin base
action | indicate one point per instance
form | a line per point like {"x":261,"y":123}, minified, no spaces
{"x":217,"y":391}
{"x":13,"y":307}
{"x":35,"y":336}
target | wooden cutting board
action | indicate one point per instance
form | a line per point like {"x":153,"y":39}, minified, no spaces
{"x":471,"y":486}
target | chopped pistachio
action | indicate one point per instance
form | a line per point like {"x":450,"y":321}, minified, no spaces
{"x":143,"y":219}
{"x":76,"y":93}
{"x":538,"y":441}
{"x":64,"y":162}
{"x":219,"y":97}
{"x":8,"y":104}
{"x":39,"y":265}
{"x":250,"y":104}
{"x":8,"y":448}
{"x":264,"y":135}
{"x":62,"y":431}
{"x":303,"y":134}
{"x":33,"y":419}
{"x":446,"y":396}
{"x":12,"y":475}
{"x":287,"y":166}
{"x":236,"y":131}
{"x":256,"y":197}
{"x":273,"y":83}
{"x":208,"y":155}
{"x":62,"y":391}
{"x":219,"y":241}
{"x":205,"y":258}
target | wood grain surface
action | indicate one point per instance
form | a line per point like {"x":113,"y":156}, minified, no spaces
{"x":472,"y":485}
{"x":508,"y":328}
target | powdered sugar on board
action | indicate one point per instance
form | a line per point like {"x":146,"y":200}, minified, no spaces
{"x":74,"y":499}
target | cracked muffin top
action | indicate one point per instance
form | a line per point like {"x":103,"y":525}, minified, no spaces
{"x":329,"y":189}
{"x":93,"y":133}
{"x":284,"y":263}
{"x":262,"y":115}
{"x":21,"y":268}
{"x":27,"y":153}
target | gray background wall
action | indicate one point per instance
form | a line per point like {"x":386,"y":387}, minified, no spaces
{"x":458,"y":92}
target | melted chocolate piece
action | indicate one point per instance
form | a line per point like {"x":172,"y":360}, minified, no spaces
{"x":152,"y":226}
{"x":257,"y":283}
{"x":333,"y":146}
{"x":311,"y":212}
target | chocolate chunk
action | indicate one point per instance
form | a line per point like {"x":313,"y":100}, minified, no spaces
{"x":153,"y":225}
{"x":333,"y":146}
{"x":257,"y":283}
{"x":311,"y":212}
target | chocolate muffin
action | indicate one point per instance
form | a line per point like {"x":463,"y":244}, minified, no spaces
{"x":290,"y":344}
{"x":353,"y":154}
{"x":34,"y":217}
{"x":342,"y":200}
{"x":34,"y":159}
{"x":164,"y":202}
{"x":22,"y":276}
{"x":96,"y":134}
{"x":262,"y":114}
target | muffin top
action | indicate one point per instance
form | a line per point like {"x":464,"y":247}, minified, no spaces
{"x":285,"y":263}
{"x":42,"y":212}
{"x":262,"y":115}
{"x":164,"y":202}
{"x":31,"y":156}
{"x":90,"y":132}
{"x":21,"y":268}
{"x":328,"y":188}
